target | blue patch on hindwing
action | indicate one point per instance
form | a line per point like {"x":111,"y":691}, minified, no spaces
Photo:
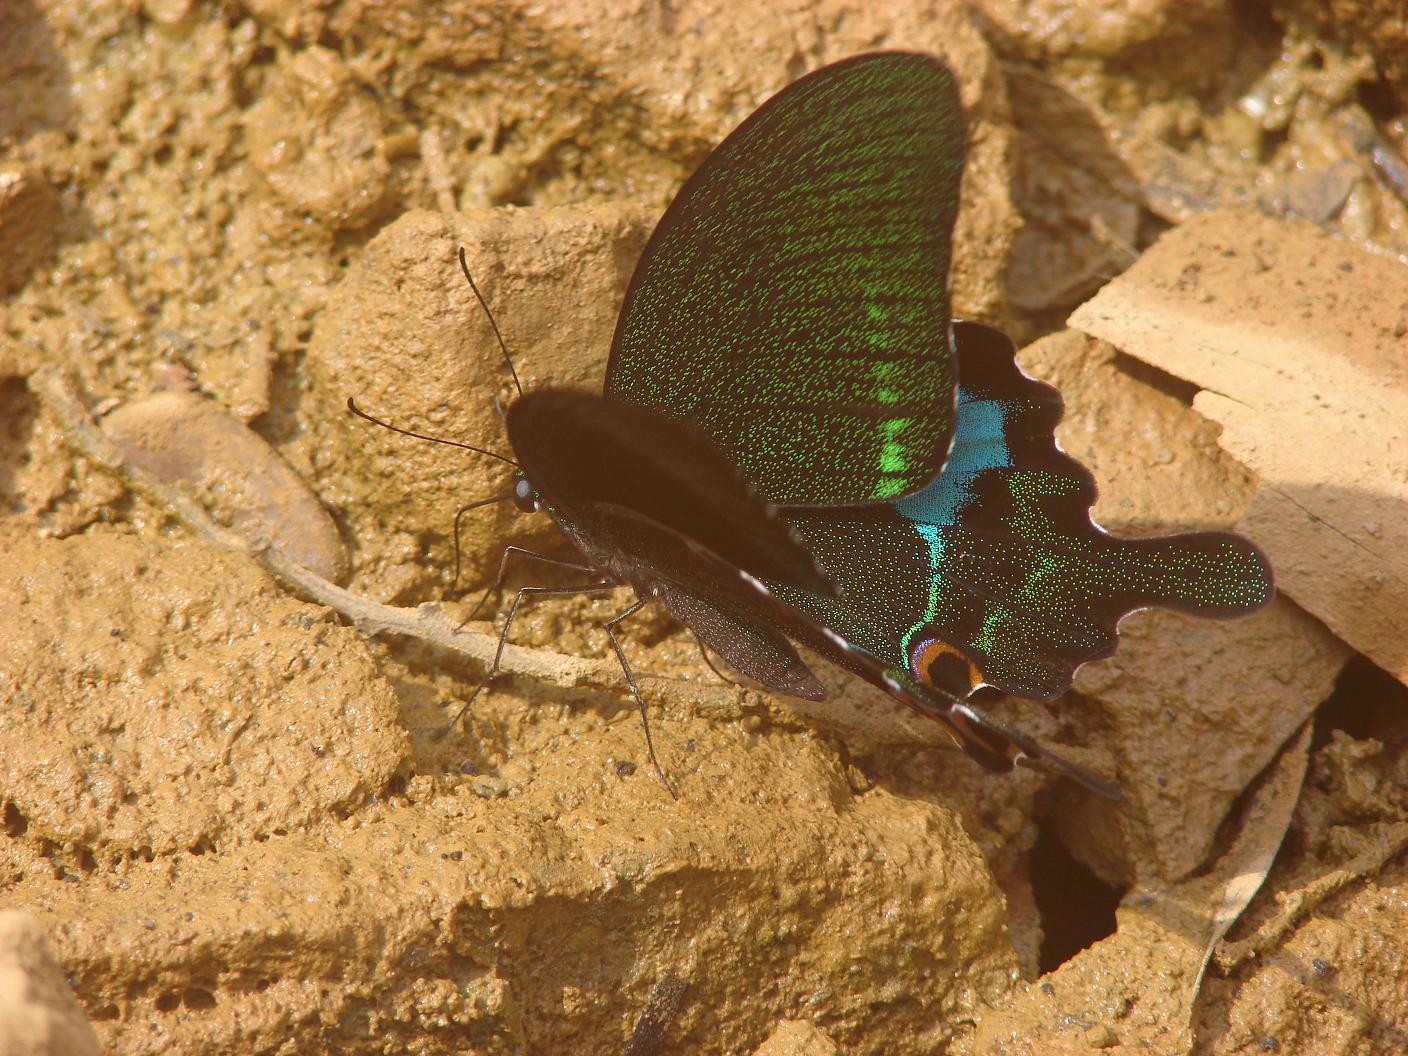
{"x":979,"y":446}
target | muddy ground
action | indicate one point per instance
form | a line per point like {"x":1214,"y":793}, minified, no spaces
{"x":230,"y":821}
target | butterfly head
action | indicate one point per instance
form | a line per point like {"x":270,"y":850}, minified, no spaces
{"x":525,"y":496}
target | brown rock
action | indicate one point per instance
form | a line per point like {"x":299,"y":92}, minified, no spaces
{"x":181,"y":437}
{"x":539,"y":920}
{"x":1157,"y":464}
{"x":161,"y":698}
{"x":797,"y":1037}
{"x":1192,"y":709}
{"x":38,"y":1015}
{"x":1296,"y":339}
{"x":29,"y":212}
{"x":315,"y":138}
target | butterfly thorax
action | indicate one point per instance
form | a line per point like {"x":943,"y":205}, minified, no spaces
{"x":594,"y":540}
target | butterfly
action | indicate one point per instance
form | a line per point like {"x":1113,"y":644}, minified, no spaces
{"x":797,"y":444}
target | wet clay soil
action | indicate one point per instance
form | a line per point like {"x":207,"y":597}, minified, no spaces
{"x":228,"y":818}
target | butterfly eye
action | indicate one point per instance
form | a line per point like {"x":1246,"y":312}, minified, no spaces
{"x":523,"y":495}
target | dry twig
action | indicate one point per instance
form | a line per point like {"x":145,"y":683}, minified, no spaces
{"x":425,"y":622}
{"x":1296,"y":905}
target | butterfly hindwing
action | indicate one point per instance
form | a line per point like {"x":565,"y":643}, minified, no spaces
{"x":793,"y":301}
{"x":751,"y":645}
{"x":991,"y":743}
{"x":995,"y":574}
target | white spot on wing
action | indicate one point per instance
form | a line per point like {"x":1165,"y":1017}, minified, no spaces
{"x":969,"y":714}
{"x":892,"y":682}
{"x":835,"y":639}
{"x":754,"y":582}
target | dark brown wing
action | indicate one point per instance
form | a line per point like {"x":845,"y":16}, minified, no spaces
{"x":591,"y":457}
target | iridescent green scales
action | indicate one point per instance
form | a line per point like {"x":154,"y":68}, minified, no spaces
{"x":793,"y":301}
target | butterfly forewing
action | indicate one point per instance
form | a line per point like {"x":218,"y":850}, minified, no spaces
{"x":793,"y":301}
{"x":606,"y":467}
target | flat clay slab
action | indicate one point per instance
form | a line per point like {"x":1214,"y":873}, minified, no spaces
{"x":1299,"y":342}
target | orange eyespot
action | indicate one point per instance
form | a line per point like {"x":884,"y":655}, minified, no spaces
{"x":935,"y":662}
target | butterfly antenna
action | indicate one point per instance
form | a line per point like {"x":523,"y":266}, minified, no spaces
{"x":351,"y":406}
{"x":464,"y":267}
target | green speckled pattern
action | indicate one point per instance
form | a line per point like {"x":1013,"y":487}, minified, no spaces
{"x":996,"y":563}
{"x":793,"y":301}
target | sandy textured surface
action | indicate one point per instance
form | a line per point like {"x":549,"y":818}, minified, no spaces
{"x":229,"y":821}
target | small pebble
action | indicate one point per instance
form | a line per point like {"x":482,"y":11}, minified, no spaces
{"x":181,"y":437}
{"x":489,"y":787}
{"x":29,"y":214}
{"x":1102,"y":1036}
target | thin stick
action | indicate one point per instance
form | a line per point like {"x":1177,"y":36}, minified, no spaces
{"x":426,"y":622}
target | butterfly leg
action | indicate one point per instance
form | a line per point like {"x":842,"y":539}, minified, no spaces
{"x":503,"y":565}
{"x":635,"y":692}
{"x":601,"y":587}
